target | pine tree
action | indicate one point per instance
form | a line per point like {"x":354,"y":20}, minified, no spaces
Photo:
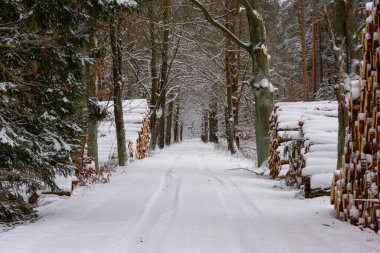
{"x":40,"y":93}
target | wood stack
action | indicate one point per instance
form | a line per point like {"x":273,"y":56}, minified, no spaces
{"x":319,"y":153}
{"x":283,"y":133}
{"x":143,"y":141}
{"x":136,"y":125}
{"x":302,"y":133}
{"x":356,"y":188}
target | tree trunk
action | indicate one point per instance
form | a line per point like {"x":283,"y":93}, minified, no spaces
{"x":169,"y":123}
{"x":154,"y":76}
{"x":92,"y":120}
{"x":263,"y":107}
{"x":176,"y":124}
{"x":344,"y":28}
{"x":262,"y":89}
{"x":344,"y":33}
{"x":164,"y":74}
{"x":213,"y":122}
{"x":117,"y":93}
{"x":205,"y":133}
{"x":314,"y":56}
{"x":301,"y":20}
{"x":181,"y":133}
{"x":230,"y":71}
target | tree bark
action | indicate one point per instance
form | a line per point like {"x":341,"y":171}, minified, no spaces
{"x":176,"y":124}
{"x":230,"y":116}
{"x":181,"y":133}
{"x":169,"y":123}
{"x":92,"y":120}
{"x":262,"y":89}
{"x":117,"y":92}
{"x":154,"y":77}
{"x":340,"y":92}
{"x":231,"y":79}
{"x":301,"y":20}
{"x":205,"y":128}
{"x":213,"y":122}
{"x":164,"y":74}
{"x":314,"y":55}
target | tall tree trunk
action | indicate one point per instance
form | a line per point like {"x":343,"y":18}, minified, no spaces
{"x":340,"y":37}
{"x":181,"y":133}
{"x":344,"y":30}
{"x":176,"y":124}
{"x":301,"y":20}
{"x":205,"y":133}
{"x":314,"y":56}
{"x":262,"y":88}
{"x":164,"y":74}
{"x":117,"y":92}
{"x":229,"y":115}
{"x":231,"y":81}
{"x":154,"y":77}
{"x":92,"y":120}
{"x":320,"y":53}
{"x":169,"y":123}
{"x":213,"y":122}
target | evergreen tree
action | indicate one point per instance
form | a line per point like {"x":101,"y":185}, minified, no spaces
{"x":40,"y":96}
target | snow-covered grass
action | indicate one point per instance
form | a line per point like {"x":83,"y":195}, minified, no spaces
{"x":188,"y":198}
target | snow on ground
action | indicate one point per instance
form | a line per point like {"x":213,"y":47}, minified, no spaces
{"x":188,"y":198}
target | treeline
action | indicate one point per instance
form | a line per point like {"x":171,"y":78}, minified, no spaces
{"x":206,"y":67}
{"x":46,"y":74}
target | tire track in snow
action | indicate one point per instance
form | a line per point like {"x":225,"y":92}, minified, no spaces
{"x":248,"y":221}
{"x":238,"y":219}
{"x":266,"y":226}
{"x":78,"y":217}
{"x":157,"y":217}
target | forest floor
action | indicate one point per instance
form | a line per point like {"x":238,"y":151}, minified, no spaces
{"x":188,"y":198}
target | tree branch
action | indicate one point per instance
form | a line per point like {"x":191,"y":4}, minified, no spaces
{"x":221,"y":27}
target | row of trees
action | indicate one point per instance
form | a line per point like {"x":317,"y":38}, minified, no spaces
{"x":48,"y":55}
{"x":203,"y":65}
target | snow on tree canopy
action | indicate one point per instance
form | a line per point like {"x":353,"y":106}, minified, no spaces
{"x":135,"y":112}
{"x":127,"y":3}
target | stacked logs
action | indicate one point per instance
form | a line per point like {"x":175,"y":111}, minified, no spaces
{"x":284,"y":131}
{"x":136,"y":125}
{"x":143,"y":141}
{"x":355,"y":192}
{"x":304,"y":145}
{"x":319,"y":153}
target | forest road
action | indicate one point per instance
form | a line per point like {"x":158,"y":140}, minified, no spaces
{"x":188,"y":198}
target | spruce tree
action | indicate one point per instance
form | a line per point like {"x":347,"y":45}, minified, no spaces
{"x":40,"y":94}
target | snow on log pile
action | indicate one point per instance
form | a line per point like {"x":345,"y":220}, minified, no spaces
{"x":136,"y":125}
{"x":303,"y":137}
{"x":356,"y":195}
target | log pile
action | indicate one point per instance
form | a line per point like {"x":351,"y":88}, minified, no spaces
{"x":136,"y":125}
{"x":143,"y":141}
{"x":318,"y":154}
{"x":355,"y":192}
{"x":300,"y":134}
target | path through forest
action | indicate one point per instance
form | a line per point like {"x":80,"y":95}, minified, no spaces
{"x":188,"y":198}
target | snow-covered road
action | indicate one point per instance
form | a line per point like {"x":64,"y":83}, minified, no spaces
{"x":189,"y":198}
